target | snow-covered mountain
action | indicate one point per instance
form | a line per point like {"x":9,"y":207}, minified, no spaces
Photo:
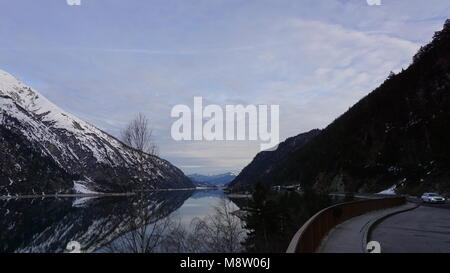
{"x":44,"y":149}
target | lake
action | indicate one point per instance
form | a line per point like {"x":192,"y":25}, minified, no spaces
{"x":47,"y":225}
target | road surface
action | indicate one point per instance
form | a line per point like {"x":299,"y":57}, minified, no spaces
{"x":425,"y":229}
{"x":350,"y":236}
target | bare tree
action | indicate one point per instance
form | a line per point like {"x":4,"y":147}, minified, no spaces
{"x":147,"y":233}
{"x":139,"y":135}
{"x":147,"y":227}
{"x":221,"y":232}
{"x":179,"y":240}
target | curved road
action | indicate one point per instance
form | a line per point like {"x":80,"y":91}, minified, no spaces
{"x":425,"y":229}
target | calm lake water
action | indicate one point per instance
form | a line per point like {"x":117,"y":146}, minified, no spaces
{"x":49,"y":224}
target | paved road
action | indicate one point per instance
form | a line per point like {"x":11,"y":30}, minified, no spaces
{"x":441,"y":206}
{"x":349,"y":236}
{"x":422,"y":230}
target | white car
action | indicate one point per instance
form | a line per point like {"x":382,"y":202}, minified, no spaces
{"x":432,"y":198}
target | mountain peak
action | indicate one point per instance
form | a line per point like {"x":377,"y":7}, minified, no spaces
{"x":5,"y":75}
{"x":439,"y":44}
{"x":7,"y":82}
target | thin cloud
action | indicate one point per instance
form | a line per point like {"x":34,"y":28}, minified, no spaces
{"x":313,"y":58}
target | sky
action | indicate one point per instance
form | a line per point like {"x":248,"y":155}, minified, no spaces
{"x":107,"y":60}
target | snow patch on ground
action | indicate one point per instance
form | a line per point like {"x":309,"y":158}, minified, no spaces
{"x":82,"y":202}
{"x":390,"y":191}
{"x":81,"y":188}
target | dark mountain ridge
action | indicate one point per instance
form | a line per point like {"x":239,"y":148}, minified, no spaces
{"x":262,"y":166}
{"x":396,"y":135}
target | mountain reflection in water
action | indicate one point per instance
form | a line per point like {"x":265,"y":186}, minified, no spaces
{"x":49,"y":224}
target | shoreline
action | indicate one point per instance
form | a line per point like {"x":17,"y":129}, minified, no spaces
{"x":239,"y":195}
{"x":71,"y":195}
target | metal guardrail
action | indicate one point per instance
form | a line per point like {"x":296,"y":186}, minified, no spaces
{"x":309,"y":236}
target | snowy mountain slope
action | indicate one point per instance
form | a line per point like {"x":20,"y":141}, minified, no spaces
{"x":73,"y":149}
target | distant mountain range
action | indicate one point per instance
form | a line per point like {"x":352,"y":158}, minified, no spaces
{"x":396,"y":135}
{"x":217,"y":180}
{"x":44,"y":150}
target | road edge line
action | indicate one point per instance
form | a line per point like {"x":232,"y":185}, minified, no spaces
{"x":373,"y":223}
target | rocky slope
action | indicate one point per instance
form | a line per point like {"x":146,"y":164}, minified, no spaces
{"x":46,"y":150}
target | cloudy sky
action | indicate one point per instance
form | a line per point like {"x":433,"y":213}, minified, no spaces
{"x":106,"y":60}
